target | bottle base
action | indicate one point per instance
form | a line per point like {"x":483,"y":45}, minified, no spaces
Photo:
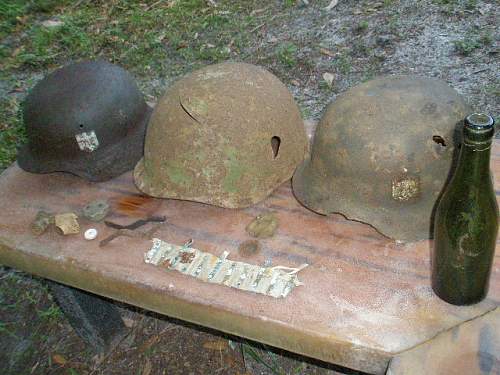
{"x":458,"y":300}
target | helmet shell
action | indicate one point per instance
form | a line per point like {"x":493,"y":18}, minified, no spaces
{"x":227,"y":135}
{"x":382,"y":153}
{"x":87,"y":118}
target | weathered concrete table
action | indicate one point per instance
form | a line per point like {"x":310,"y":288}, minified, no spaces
{"x":365,"y":299}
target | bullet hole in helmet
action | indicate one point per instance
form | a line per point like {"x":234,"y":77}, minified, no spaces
{"x":275,"y":145}
{"x":439,"y":140}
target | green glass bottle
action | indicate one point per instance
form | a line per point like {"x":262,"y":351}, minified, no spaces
{"x":466,"y":220}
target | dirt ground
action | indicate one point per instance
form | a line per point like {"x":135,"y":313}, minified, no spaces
{"x":299,"y":41}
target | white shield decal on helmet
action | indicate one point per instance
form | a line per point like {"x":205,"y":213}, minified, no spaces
{"x":87,"y":141}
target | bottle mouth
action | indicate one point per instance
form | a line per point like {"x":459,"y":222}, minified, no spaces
{"x":479,"y":121}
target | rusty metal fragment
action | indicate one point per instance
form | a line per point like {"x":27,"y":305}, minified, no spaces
{"x":67,"y":223}
{"x":263,"y":226}
{"x":129,"y":233}
{"x":138,"y":223}
{"x":41,"y":222}
{"x":96,"y":210}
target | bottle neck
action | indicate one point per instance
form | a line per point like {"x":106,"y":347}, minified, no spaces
{"x":474,"y":159}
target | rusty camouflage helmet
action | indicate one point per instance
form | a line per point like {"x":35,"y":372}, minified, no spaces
{"x":87,"y":118}
{"x":227,"y":135}
{"x":382,"y":153}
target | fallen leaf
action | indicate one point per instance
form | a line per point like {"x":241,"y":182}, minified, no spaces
{"x":327,"y":52}
{"x":59,"y":359}
{"x":22,"y":20}
{"x":257,"y":11}
{"x":146,"y":370}
{"x":98,"y":358}
{"x":328,"y":77}
{"x":332,"y":5}
{"x":216,"y":345}
{"x":295,"y":82}
{"x":17,"y":50}
{"x":229,"y":361}
{"x":148,"y":343}
{"x":129,"y":323}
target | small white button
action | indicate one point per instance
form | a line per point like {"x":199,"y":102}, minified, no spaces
{"x":90,"y":234}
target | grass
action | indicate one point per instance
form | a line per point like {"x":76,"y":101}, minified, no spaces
{"x":29,"y":317}
{"x":11,"y":130}
{"x":493,"y":90}
{"x":361,"y":27}
{"x":16,"y":12}
{"x":466,"y":46}
{"x":470,"y":43}
{"x":261,"y":354}
{"x":286,"y":54}
{"x":138,"y":36}
{"x":343,"y":63}
{"x":454,"y":6}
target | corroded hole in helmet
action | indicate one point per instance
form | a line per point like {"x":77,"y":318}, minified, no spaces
{"x":227,"y":135}
{"x":439,"y":140}
{"x":382,"y":153}
{"x":275,"y":145}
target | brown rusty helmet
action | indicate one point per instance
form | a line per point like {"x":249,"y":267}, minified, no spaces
{"x":227,"y":135}
{"x":382,"y":153}
{"x":87,"y":118}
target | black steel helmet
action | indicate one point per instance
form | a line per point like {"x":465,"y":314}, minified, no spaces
{"x":87,"y":118}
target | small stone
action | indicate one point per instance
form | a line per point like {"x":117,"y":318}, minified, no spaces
{"x":41,"y":222}
{"x":90,"y":234}
{"x":67,"y":223}
{"x":263,"y":226}
{"x":96,"y":210}
{"x":384,"y":40}
{"x":52,"y":23}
